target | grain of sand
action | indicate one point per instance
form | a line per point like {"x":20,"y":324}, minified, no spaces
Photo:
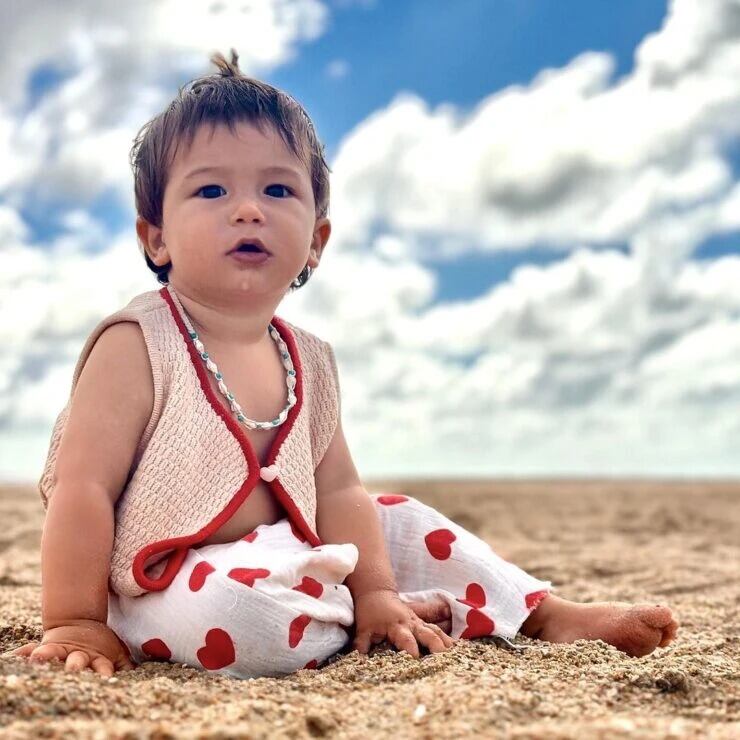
{"x":675,"y":543}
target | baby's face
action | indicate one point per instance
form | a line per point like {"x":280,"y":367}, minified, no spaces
{"x":245,"y":195}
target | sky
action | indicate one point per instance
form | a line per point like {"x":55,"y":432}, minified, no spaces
{"x":535,"y":211}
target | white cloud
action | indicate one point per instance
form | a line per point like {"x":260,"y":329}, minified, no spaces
{"x":602,"y":363}
{"x":577,"y":368}
{"x":572,"y":157}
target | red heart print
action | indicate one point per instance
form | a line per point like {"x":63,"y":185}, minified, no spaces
{"x":532,"y":600}
{"x":438,"y":543}
{"x":297,"y":626}
{"x":478,"y":625}
{"x":311,"y":663}
{"x":310,"y":586}
{"x":156,"y":648}
{"x":390,"y":499}
{"x":247,"y":576}
{"x":218,"y":650}
{"x":199,"y":575}
{"x":475,"y":596}
{"x":296,"y":533}
{"x":251,"y":537}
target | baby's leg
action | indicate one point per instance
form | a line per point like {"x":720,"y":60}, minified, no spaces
{"x":265,"y":606}
{"x":437,"y":563}
{"x":446,"y":570}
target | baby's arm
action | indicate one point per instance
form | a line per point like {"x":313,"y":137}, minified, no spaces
{"x":346,"y":513}
{"x":111,"y":407}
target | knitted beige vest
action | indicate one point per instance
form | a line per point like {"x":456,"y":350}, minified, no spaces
{"x":194,"y":466}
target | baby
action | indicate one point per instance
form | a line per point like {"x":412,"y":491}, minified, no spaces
{"x":202,"y":503}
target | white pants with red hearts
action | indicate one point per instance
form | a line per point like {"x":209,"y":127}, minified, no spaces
{"x":270,"y":604}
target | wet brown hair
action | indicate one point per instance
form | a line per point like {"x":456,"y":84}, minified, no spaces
{"x":226,"y":97}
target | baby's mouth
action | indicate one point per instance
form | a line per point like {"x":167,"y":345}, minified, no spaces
{"x":246,"y":245}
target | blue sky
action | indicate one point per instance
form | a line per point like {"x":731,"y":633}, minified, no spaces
{"x":454,"y":52}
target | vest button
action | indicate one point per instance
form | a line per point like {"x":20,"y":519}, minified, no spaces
{"x":270,"y":473}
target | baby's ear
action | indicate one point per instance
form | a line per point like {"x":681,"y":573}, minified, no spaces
{"x":321,"y":234}
{"x":150,"y":238}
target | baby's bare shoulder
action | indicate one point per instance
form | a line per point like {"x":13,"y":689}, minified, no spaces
{"x":111,"y":407}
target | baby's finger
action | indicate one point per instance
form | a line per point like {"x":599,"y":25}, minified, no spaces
{"x":445,"y":626}
{"x":403,"y":638}
{"x":429,"y":636}
{"x":362,"y":642}
{"x":50,"y":651}
{"x":126,"y":665}
{"x":103,"y":666}
{"x":22,"y":652}
{"x":444,"y":633}
{"x":77,"y":660}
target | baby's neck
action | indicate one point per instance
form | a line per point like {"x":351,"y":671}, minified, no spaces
{"x":226,"y":325}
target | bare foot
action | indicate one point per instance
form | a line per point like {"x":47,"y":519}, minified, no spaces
{"x":635,"y":629}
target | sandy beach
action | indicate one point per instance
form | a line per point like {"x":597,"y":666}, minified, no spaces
{"x":673,"y":543}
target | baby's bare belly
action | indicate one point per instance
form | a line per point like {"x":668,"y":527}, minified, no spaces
{"x":260,"y":507}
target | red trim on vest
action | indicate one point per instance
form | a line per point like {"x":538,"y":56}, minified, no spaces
{"x":181,"y":545}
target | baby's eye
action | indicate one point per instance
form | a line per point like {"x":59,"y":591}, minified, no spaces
{"x":277,"y":185}
{"x":208,"y":187}
{"x":211,"y":187}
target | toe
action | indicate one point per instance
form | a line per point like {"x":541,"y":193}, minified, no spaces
{"x":642,"y":629}
{"x":669,"y":633}
{"x":658,"y":617}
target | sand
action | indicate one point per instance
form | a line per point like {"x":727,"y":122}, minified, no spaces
{"x":674,"y":543}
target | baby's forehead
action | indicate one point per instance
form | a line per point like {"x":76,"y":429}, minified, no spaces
{"x":247,"y":147}
{"x":246,"y":138}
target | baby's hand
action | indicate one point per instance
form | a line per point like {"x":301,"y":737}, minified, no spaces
{"x":381,"y":615}
{"x":81,"y":644}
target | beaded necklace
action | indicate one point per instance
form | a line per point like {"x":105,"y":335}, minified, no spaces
{"x":290,"y":377}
